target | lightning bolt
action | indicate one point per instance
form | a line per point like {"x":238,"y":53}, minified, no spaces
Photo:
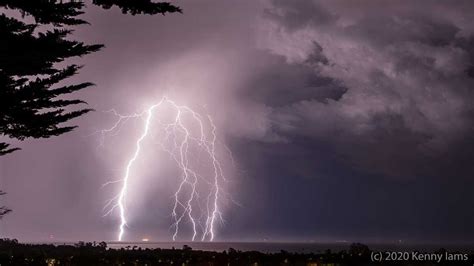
{"x":179,"y":136}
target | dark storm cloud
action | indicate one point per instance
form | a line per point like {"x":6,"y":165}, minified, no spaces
{"x":298,"y":14}
{"x":347,"y":120}
{"x":406,"y":70}
{"x":288,"y":84}
{"x":372,"y":104}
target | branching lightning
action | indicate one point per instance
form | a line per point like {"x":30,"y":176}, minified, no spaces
{"x":185,"y":128}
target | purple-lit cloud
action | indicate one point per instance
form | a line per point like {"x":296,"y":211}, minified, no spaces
{"x":346,"y":121}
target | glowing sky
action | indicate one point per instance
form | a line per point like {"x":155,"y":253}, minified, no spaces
{"x":346,"y":121}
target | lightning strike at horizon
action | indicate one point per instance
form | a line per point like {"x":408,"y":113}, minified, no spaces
{"x":180,"y":133}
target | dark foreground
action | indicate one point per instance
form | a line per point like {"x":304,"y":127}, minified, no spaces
{"x":14,"y":253}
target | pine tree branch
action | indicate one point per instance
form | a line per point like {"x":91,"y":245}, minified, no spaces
{"x":135,"y":7}
{"x":3,"y":210}
{"x":4,"y":149}
{"x":58,"y":13}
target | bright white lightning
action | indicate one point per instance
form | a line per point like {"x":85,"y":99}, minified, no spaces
{"x":181,"y":136}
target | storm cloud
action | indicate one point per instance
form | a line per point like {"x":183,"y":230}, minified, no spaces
{"x":406,"y":71}
{"x":347,"y":120}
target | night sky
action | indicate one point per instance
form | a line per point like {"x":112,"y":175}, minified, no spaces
{"x":347,"y":120}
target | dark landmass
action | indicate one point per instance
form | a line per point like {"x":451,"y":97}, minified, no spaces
{"x":14,"y":253}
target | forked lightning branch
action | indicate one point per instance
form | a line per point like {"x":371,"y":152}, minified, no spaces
{"x":185,"y":128}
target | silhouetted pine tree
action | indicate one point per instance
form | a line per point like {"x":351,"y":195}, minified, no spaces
{"x":31,"y":103}
{"x":139,"y":6}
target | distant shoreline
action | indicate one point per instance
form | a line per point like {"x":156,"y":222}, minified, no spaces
{"x":274,"y":247}
{"x":235,"y":253}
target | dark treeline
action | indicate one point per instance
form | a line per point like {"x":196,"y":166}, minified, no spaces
{"x":14,"y":253}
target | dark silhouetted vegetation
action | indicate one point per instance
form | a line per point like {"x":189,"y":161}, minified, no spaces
{"x":3,"y":210}
{"x":14,"y":253}
{"x":32,"y":57}
{"x":32,"y":65}
{"x":139,"y":6}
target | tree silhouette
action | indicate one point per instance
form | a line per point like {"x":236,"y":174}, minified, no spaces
{"x":32,"y":104}
{"x":3,"y":210}
{"x":138,"y":6}
{"x":29,"y":104}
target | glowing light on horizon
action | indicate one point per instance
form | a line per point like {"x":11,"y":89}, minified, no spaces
{"x":180,"y":133}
